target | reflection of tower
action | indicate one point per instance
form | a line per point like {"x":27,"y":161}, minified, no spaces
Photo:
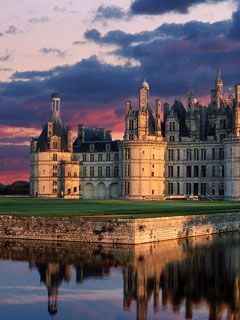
{"x":52,"y":274}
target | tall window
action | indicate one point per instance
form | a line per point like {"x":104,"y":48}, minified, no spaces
{"x":108,"y":171}
{"x":221,"y":189}
{"x":170,"y":188}
{"x":196,"y":171}
{"x":116,"y":171}
{"x":203,"y":189}
{"x":170,"y":154}
{"x":221,"y":154}
{"x":203,"y":171}
{"x":127,"y":154}
{"x":131,"y":125}
{"x":172,"y":126}
{"x":92,"y":157}
{"x":189,"y":171}
{"x":188,"y":188}
{"x":178,"y":188}
{"x":213,"y":154}
{"x":55,"y":145}
{"x":116,"y":157}
{"x":84,"y":157}
{"x":99,"y":172}
{"x":221,"y":171}
{"x":91,"y":172}
{"x":196,"y":154}
{"x":203,"y":154}
{"x":54,"y":157}
{"x":100,"y":157}
{"x":189,"y":154}
{"x":178,"y":171}
{"x":170,"y":171}
{"x":108,"y":156}
{"x":178,"y":154}
{"x":213,"y":189}
{"x":84,"y":172}
{"x":213,"y":171}
{"x":127,"y":170}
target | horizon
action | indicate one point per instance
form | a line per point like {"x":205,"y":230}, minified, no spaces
{"x":87,"y":54}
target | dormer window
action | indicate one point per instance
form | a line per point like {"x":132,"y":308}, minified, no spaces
{"x":92,"y":147}
{"x":172,"y":126}
{"x":108,"y":147}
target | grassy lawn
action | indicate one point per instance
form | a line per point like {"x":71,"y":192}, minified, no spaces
{"x":133,"y":209}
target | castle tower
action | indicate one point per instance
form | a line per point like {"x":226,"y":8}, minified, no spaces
{"x":53,"y":172}
{"x":55,"y":105}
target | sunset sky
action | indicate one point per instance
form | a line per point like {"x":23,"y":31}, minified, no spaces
{"x":96,"y":54}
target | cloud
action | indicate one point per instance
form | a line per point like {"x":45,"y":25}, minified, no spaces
{"x":189,"y":31}
{"x":39,"y":20}
{"x":1,"y":35}
{"x":12,"y":30}
{"x":5,"y":57}
{"x":5,"y":69}
{"x":79,"y":43}
{"x":235,"y":29}
{"x":116,"y":37}
{"x":57,"y":52}
{"x":112,"y":12}
{"x":59,"y":9}
{"x":155,"y":7}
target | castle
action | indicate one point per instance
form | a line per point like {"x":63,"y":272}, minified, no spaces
{"x":170,"y":152}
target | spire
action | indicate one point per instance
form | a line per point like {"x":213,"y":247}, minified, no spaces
{"x":219,"y":82}
{"x":219,"y":74}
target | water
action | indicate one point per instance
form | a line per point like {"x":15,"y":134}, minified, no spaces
{"x":194,"y":279}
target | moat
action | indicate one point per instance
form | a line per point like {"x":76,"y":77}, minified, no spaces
{"x":197,"y":278}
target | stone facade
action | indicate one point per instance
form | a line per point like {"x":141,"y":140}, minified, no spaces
{"x":173,"y":152}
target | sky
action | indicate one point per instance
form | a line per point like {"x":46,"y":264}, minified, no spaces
{"x":95,"y":54}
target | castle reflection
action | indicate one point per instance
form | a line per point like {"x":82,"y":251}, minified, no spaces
{"x":200,"y":272}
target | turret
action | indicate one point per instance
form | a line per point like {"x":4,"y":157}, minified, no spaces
{"x":128,"y":106}
{"x":158,"y":118}
{"x":81,"y":133}
{"x":237,"y":94}
{"x":190,"y":100}
{"x":144,"y":96}
{"x":69,"y":138}
{"x":55,"y":105}
{"x":143,"y":110}
{"x":219,"y":82}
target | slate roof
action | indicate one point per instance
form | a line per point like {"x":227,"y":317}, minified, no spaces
{"x":99,"y":146}
{"x":58,"y":130}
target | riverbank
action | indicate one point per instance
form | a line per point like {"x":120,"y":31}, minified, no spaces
{"x":22,"y":206}
{"x":116,"y":230}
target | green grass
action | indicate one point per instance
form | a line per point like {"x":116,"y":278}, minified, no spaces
{"x":123,"y":208}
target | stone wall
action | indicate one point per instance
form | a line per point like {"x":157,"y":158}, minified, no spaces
{"x":105,"y":230}
{"x":114,"y":230}
{"x":157,"y":229}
